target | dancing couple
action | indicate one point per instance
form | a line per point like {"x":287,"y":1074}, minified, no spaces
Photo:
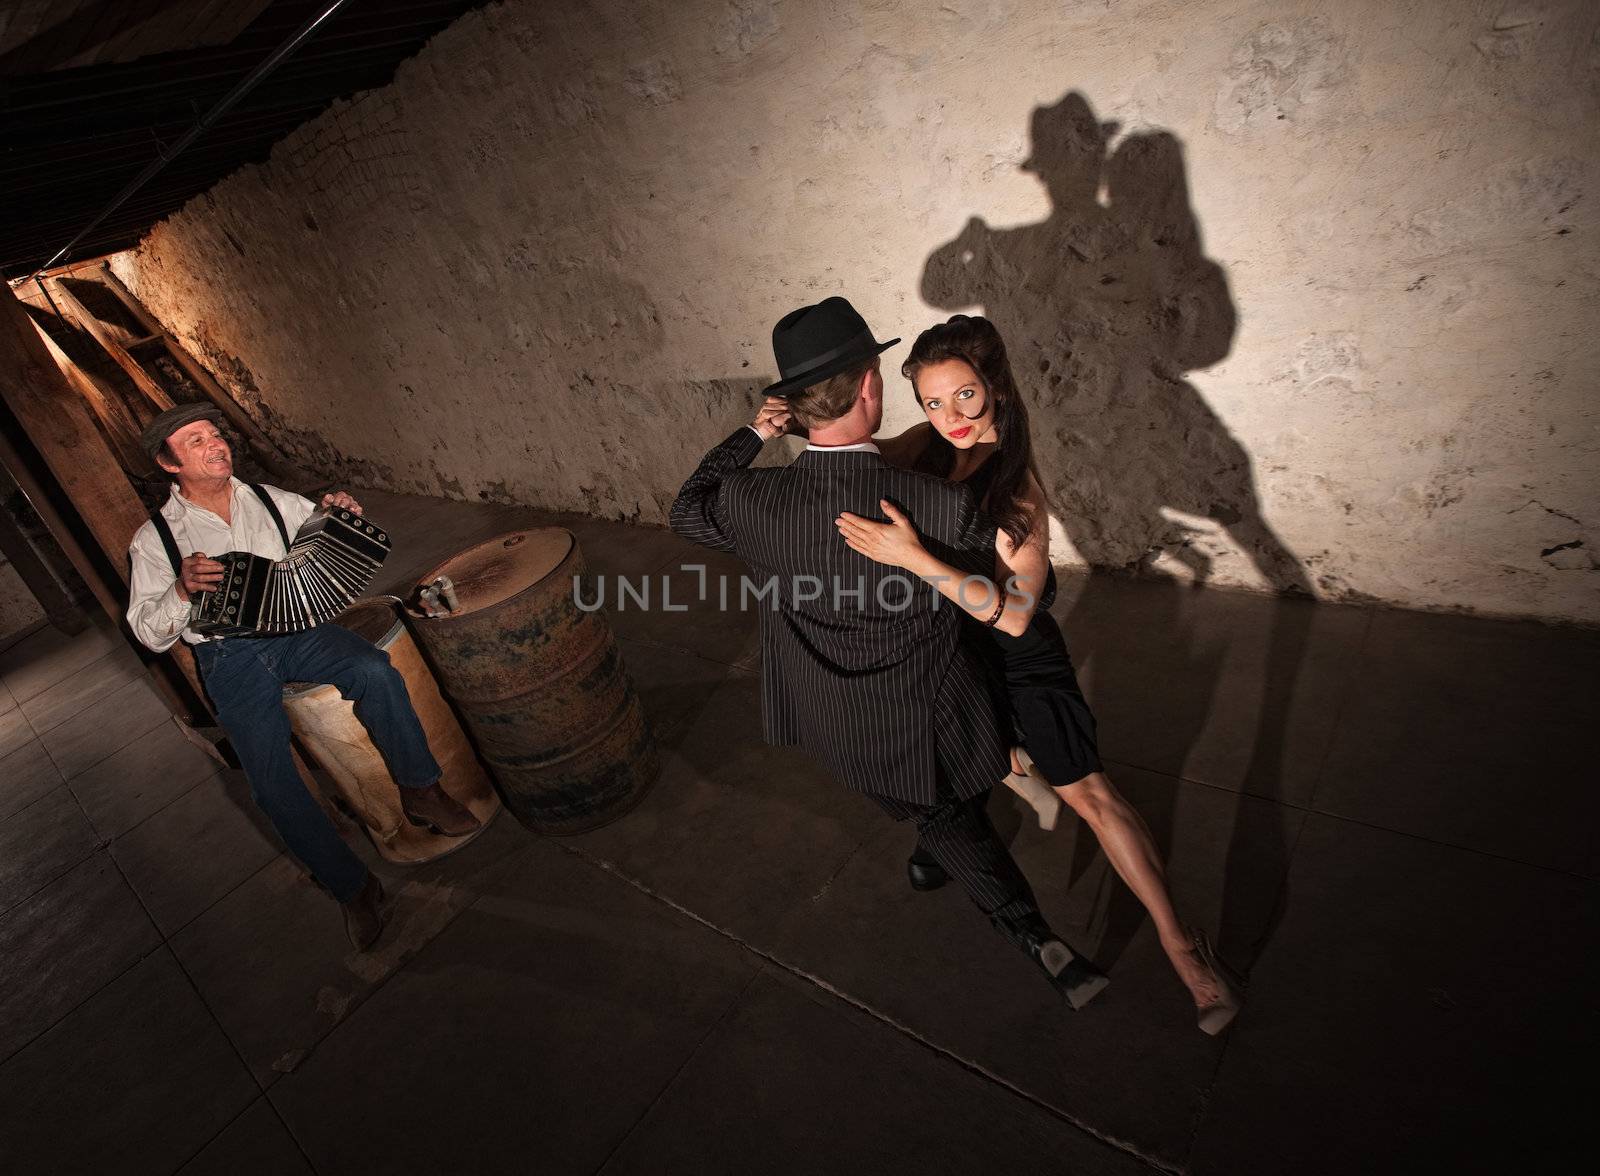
{"x":923,"y":691}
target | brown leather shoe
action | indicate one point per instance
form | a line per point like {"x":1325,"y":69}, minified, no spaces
{"x":363,"y":914}
{"x":432,"y":806}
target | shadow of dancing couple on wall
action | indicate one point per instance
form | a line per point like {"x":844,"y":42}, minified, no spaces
{"x":1105,"y":305}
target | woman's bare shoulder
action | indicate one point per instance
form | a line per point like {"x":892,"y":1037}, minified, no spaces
{"x":1033,"y":495}
{"x":904,"y":449}
{"x":1035,"y":505}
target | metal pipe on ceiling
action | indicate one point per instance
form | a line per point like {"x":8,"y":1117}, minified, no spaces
{"x":199,"y":128}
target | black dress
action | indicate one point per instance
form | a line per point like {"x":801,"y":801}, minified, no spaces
{"x":1032,"y":673}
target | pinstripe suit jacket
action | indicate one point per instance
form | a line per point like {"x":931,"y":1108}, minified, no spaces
{"x":878,"y":685}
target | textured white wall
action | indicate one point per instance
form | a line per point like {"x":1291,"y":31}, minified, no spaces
{"x":1302,"y":294}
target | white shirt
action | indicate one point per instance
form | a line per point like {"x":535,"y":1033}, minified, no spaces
{"x":858,"y":447}
{"x":157,"y":615}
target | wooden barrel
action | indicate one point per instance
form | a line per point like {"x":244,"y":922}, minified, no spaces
{"x":327,"y":727}
{"x":540,"y":683}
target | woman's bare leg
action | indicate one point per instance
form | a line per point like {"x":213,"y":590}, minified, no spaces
{"x":1132,"y":852}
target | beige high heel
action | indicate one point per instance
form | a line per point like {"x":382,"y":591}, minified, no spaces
{"x":1213,"y":1018}
{"x":1036,"y":790}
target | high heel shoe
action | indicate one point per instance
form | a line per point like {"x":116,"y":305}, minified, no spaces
{"x":1036,"y":790}
{"x":1216,"y":1016}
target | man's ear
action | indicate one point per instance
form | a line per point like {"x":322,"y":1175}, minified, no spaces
{"x":867,"y":391}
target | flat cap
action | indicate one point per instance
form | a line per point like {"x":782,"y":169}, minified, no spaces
{"x":169,"y":422}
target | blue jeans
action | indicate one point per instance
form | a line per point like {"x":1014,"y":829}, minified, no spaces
{"x":245,"y":677}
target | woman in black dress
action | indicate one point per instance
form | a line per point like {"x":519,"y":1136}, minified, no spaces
{"x":977,"y":433}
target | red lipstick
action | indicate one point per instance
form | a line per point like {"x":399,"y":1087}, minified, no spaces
{"x":958,"y":434}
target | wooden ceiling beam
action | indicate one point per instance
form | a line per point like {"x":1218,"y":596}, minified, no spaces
{"x":108,"y":338}
{"x":57,"y":423}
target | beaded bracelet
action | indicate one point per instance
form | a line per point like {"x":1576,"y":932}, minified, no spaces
{"x":994,"y":617}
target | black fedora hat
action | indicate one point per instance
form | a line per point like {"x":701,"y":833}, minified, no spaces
{"x":815,"y":342}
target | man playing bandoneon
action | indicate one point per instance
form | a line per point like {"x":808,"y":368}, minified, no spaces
{"x":210,"y":512}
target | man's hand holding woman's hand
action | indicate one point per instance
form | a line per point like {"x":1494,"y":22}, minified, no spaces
{"x":774,"y":419}
{"x":198,"y":573}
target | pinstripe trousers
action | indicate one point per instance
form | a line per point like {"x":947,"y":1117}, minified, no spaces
{"x":959,"y":836}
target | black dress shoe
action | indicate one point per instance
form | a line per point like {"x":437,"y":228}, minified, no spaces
{"x":1075,"y":977}
{"x":924,"y":872}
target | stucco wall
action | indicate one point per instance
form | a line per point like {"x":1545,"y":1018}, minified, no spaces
{"x":1302,"y":294}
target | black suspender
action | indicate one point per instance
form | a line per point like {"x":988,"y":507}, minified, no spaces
{"x":169,"y":542}
{"x":272,"y":509}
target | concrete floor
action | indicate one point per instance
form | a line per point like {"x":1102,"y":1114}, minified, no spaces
{"x":1389,"y":818}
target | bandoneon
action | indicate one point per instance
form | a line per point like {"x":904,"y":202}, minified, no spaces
{"x":330,"y":562}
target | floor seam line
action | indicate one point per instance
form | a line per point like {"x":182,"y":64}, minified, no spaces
{"x":705,"y":657}
{"x":68,"y":718}
{"x":828,"y":882}
{"x":358,"y":1005}
{"x":1345,"y":694}
{"x":216,"y":771}
{"x":101,"y":843}
{"x":657,"y":569}
{"x":1258,"y":951}
{"x":266,"y":1097}
{"x":1127,"y":1147}
{"x":188,"y":979}
{"x":214,"y":903}
{"x":1334,"y":816}
{"x":733,"y":1003}
{"x":1483,"y":853}
{"x":1204,"y":1108}
{"x":98,"y":847}
{"x":132,"y":739}
{"x":192,"y":1156}
{"x":132,"y":964}
{"x":746,"y":671}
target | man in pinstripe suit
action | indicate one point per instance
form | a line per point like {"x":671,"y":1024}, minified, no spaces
{"x":860,"y":664}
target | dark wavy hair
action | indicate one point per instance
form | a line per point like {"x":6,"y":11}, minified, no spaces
{"x":974,"y":339}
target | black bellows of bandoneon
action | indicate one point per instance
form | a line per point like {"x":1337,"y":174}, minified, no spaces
{"x":331,"y":561}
